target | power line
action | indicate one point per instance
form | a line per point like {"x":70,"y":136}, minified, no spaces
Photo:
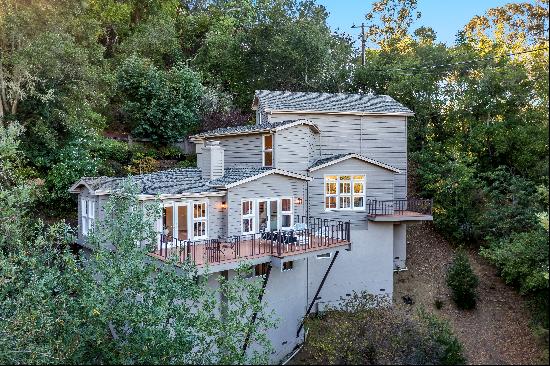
{"x":431,"y":67}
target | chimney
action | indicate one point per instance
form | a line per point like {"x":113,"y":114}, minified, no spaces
{"x":212,"y":160}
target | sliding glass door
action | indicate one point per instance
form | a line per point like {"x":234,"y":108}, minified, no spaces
{"x":175,"y":223}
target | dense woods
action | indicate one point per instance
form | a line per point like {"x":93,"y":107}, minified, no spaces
{"x":74,"y":73}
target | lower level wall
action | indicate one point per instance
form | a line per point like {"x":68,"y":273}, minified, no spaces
{"x":367,"y":267}
{"x":399,"y":246}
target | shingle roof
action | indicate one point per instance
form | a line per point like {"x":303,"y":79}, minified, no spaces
{"x":341,"y":157}
{"x":246,"y":129}
{"x":233,"y":175}
{"x":177,"y":181}
{"x":173,"y":181}
{"x":328,"y":102}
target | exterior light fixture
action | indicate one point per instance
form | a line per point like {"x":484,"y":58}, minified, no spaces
{"x":298,"y":201}
{"x":224,"y":205}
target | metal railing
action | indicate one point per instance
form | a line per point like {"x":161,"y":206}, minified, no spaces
{"x":400,"y":207}
{"x":311,"y":234}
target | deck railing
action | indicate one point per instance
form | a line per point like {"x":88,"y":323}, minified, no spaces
{"x":400,"y":207}
{"x":310,"y":234}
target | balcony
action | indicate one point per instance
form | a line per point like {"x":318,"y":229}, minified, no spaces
{"x":410,"y":209}
{"x":310,"y":235}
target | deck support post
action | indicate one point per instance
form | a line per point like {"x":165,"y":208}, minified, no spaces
{"x":317,"y":293}
{"x":255,"y":315}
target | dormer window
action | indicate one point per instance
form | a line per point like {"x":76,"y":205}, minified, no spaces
{"x":267,"y":150}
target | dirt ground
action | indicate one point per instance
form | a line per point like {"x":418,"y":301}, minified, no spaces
{"x":497,"y":331}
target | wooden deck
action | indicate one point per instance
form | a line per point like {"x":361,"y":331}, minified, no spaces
{"x":223,"y":253}
{"x":402,"y":216}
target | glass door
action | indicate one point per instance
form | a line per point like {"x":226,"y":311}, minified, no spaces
{"x":268,"y":215}
{"x":182,"y":232}
{"x":273,"y":215}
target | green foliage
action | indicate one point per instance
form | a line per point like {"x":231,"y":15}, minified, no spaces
{"x":439,"y":331}
{"x":522,"y":258}
{"x":160,"y":105}
{"x":116,"y":305}
{"x":371,"y":331}
{"x":462,"y":281}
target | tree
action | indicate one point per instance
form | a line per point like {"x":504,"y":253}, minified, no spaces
{"x":462,"y":281}
{"x":160,"y":105}
{"x":117,"y":305}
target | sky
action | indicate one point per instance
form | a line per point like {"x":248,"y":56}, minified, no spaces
{"x":446,"y":17}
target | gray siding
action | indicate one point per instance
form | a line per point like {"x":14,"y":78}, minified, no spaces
{"x":217,"y":218}
{"x":271,"y":186}
{"x":379,"y":186}
{"x":296,"y":148}
{"x":383,"y":138}
{"x":239,"y":151}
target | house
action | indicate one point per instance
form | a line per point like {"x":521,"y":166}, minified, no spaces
{"x":314,"y":196}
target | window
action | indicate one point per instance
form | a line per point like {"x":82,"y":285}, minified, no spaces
{"x":261,"y":269}
{"x":247,"y":216}
{"x":286,"y":213}
{"x":267,"y":150}
{"x":199,"y":221}
{"x":287,"y":266}
{"x":324,"y":256}
{"x":345,"y":192}
{"x":88,"y":215}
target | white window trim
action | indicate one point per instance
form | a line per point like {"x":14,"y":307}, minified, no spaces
{"x":256,"y":210}
{"x":190,"y":218}
{"x":87,"y":215}
{"x":201,"y":219}
{"x":352,"y":195}
{"x":251,"y":216}
{"x":264,"y":150}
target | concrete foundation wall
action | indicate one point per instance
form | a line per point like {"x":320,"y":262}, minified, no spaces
{"x":399,"y":246}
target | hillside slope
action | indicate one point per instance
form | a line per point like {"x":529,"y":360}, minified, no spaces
{"x":497,"y":331}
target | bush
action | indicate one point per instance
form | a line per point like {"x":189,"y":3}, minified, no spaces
{"x":439,"y":332}
{"x":162,"y":105}
{"x":462,"y":281}
{"x":369,"y":331}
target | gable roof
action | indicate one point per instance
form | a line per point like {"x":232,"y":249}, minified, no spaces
{"x":267,"y":127}
{"x":236,"y":176}
{"x":284,"y":101}
{"x":334,"y":159}
{"x":179,"y":182}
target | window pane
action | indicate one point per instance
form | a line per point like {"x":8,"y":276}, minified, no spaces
{"x":247,"y":207}
{"x":330,"y":188}
{"x":261,"y":269}
{"x":358,"y":202}
{"x":268,"y":158}
{"x":345,"y":177}
{"x":268,"y":142}
{"x":182,"y":223}
{"x":332,"y":177}
{"x":199,"y":228}
{"x":358,"y":177}
{"x":285,"y":204}
{"x":345,"y":202}
{"x":345,"y":187}
{"x":199,"y":210}
{"x":286,"y":220}
{"x":358,"y":187}
{"x":288,"y":266}
{"x":168,"y":221}
{"x":330,"y":202}
{"x":248,"y":225}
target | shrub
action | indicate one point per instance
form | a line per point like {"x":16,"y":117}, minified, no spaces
{"x":462,"y":281}
{"x":369,"y":331}
{"x":162,"y":105}
{"x":439,"y":332}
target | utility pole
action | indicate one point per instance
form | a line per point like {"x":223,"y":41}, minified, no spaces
{"x":362,"y":26}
